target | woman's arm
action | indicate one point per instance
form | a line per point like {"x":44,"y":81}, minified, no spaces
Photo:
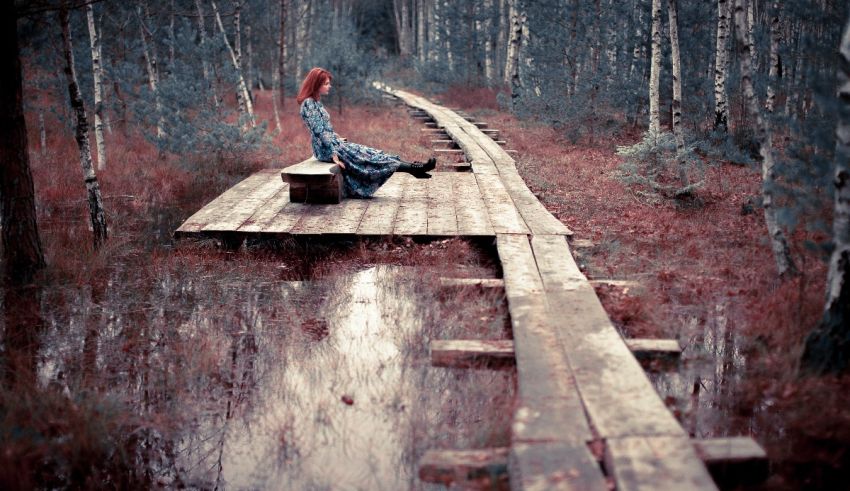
{"x":316,"y":123}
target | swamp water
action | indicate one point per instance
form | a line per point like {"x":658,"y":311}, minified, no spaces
{"x":207,"y":378}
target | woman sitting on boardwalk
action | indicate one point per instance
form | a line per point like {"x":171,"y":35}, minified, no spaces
{"x":364,"y":169}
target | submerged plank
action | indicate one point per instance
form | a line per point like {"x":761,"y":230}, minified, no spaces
{"x":466,"y":353}
{"x":476,"y":282}
{"x":657,"y":463}
{"x":462,"y":466}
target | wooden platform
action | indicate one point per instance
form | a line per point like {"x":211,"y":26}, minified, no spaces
{"x":579,"y":385}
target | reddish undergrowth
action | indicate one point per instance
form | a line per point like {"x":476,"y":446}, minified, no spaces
{"x":693,"y":260}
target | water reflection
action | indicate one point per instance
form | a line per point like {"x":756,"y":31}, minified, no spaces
{"x":712,"y":367}
{"x":223,"y":377}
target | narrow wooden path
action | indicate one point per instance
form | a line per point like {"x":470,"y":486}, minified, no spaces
{"x":587,"y":416}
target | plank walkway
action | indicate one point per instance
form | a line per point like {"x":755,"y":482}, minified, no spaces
{"x":579,"y":385}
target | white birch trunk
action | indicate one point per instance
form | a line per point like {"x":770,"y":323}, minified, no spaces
{"x":781,"y":252}
{"x":773,"y":74}
{"x":721,"y":67}
{"x":94,"y":198}
{"x":97,"y":77}
{"x":202,"y":34}
{"x":448,"y":30}
{"x":244,"y":98}
{"x":275,"y":84}
{"x":636,"y":52}
{"x":421,"y":12}
{"x":655,"y":70}
{"x":249,"y":53}
{"x":434,"y":39}
{"x":153,"y":75}
{"x":280,"y":85}
{"x":751,"y":21}
{"x":514,"y":41}
{"x":826,"y":348}
{"x":42,"y":133}
{"x":678,"y":133}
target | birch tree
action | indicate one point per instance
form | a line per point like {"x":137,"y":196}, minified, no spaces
{"x":773,"y":74}
{"x":514,"y":43}
{"x":22,"y":251}
{"x":721,"y":67}
{"x":401,"y":13}
{"x":655,"y":70}
{"x":243,"y":96}
{"x":281,"y":53}
{"x":781,"y":252}
{"x":151,"y":67}
{"x":95,"y":201}
{"x":673,"y":16}
{"x":97,"y":77}
{"x":827,"y":347}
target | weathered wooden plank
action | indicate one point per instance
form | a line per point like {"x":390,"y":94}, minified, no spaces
{"x":536,"y":216}
{"x":733,"y":461}
{"x":267,"y":211}
{"x":313,"y":220}
{"x":459,"y":353}
{"x":467,"y":353}
{"x":545,"y":466}
{"x":472,"y":282}
{"x":345,"y":217}
{"x":242,"y":210}
{"x":288,"y":216}
{"x":442,"y":218}
{"x":461,"y":466}
{"x":654,"y":348}
{"x":472,"y":216}
{"x":223,"y":202}
{"x":616,"y":392}
{"x":412,"y":215}
{"x":379,"y":217}
{"x":503,"y":215}
{"x":656,"y":463}
{"x":547,"y":395}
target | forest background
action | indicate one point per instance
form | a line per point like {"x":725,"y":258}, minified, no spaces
{"x":690,"y":93}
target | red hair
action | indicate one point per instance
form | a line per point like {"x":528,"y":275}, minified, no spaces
{"x":312,"y":82}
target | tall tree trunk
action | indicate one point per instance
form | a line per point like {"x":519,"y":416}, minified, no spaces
{"x":639,"y":37}
{"x":673,"y":15}
{"x":421,"y":12}
{"x":782,"y":253}
{"x":244,"y":98}
{"x":22,"y":252}
{"x":202,"y":34}
{"x":514,"y":42}
{"x":42,"y":133}
{"x":96,"y":213}
{"x":401,"y":15}
{"x":249,"y":69}
{"x":280,"y":86}
{"x":97,"y":76}
{"x":721,"y":67}
{"x":828,"y":345}
{"x":151,"y":66}
{"x":655,"y":70}
{"x":773,"y":75}
{"x":172,"y":40}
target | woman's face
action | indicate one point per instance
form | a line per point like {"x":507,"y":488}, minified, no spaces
{"x":326,"y":87}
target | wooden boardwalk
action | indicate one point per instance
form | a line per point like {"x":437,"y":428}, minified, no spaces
{"x":579,"y":385}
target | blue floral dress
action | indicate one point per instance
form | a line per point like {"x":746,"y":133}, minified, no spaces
{"x":366,"y":169}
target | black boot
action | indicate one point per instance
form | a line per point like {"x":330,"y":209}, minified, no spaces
{"x":417,"y":169}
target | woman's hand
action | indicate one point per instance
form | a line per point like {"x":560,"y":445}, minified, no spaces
{"x":338,"y":162}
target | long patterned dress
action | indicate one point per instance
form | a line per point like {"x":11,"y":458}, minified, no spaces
{"x":366,"y":168}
